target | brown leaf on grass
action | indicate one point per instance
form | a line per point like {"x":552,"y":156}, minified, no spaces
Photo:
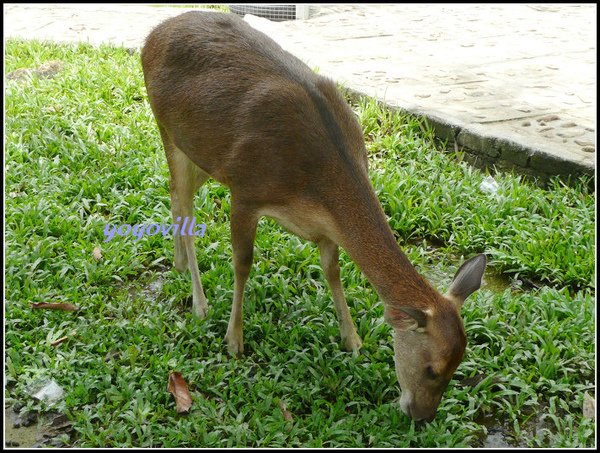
{"x":59,"y":341}
{"x":97,"y":253}
{"x":287,"y":415}
{"x":62,"y":339}
{"x":179,"y":389}
{"x":64,"y":307}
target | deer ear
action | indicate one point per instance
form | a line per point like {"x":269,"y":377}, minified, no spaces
{"x":467,"y":279}
{"x":405,"y":318}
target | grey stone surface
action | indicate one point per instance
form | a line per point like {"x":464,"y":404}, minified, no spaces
{"x":513,"y":82}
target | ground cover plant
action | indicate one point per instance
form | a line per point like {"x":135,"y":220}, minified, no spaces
{"x":82,"y":150}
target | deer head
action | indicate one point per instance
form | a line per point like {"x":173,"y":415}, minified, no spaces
{"x":429,"y":343}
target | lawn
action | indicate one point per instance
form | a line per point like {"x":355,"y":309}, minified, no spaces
{"x":82,"y":150}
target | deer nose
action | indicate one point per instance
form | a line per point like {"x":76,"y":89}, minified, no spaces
{"x":426,"y":419}
{"x":410,"y":409}
{"x":418,"y":412}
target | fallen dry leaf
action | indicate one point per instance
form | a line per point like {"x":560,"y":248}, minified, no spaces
{"x":59,"y":341}
{"x":179,"y":389}
{"x":64,"y":307}
{"x":97,"y":253}
{"x":62,"y":339}
{"x":287,"y":415}
{"x":589,"y":406}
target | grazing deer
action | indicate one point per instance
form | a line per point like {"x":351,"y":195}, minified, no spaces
{"x":231,"y":104}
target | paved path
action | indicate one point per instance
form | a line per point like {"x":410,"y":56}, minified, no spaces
{"x":513,"y":84}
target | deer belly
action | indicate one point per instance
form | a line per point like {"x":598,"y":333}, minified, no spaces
{"x":308,"y":222}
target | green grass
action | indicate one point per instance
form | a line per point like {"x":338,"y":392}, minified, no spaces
{"x":82,"y":150}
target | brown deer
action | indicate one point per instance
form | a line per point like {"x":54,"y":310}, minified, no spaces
{"x":231,"y":104}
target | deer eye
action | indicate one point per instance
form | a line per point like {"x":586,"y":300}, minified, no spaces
{"x":430,"y":373}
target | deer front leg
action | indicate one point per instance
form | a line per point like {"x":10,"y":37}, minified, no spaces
{"x":243,"y":232}
{"x":330,"y":263}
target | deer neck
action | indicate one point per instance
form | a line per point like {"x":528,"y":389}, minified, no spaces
{"x":363,"y":231}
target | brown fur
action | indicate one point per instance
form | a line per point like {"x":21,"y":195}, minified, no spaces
{"x":233,"y":105}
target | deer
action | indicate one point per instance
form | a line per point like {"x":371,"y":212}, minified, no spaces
{"x":232,"y":105}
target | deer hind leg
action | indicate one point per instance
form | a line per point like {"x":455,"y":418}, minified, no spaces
{"x":330,"y":263}
{"x":186,"y":178}
{"x":243,"y":232}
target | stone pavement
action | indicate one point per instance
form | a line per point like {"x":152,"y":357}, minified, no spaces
{"x":513,"y":85}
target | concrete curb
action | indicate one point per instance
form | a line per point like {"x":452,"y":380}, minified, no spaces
{"x":490,"y":152}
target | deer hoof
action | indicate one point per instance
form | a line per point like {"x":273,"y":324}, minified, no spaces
{"x":235,"y":344}
{"x":351,"y":343}
{"x":181,"y":266}
{"x":199,"y":311}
